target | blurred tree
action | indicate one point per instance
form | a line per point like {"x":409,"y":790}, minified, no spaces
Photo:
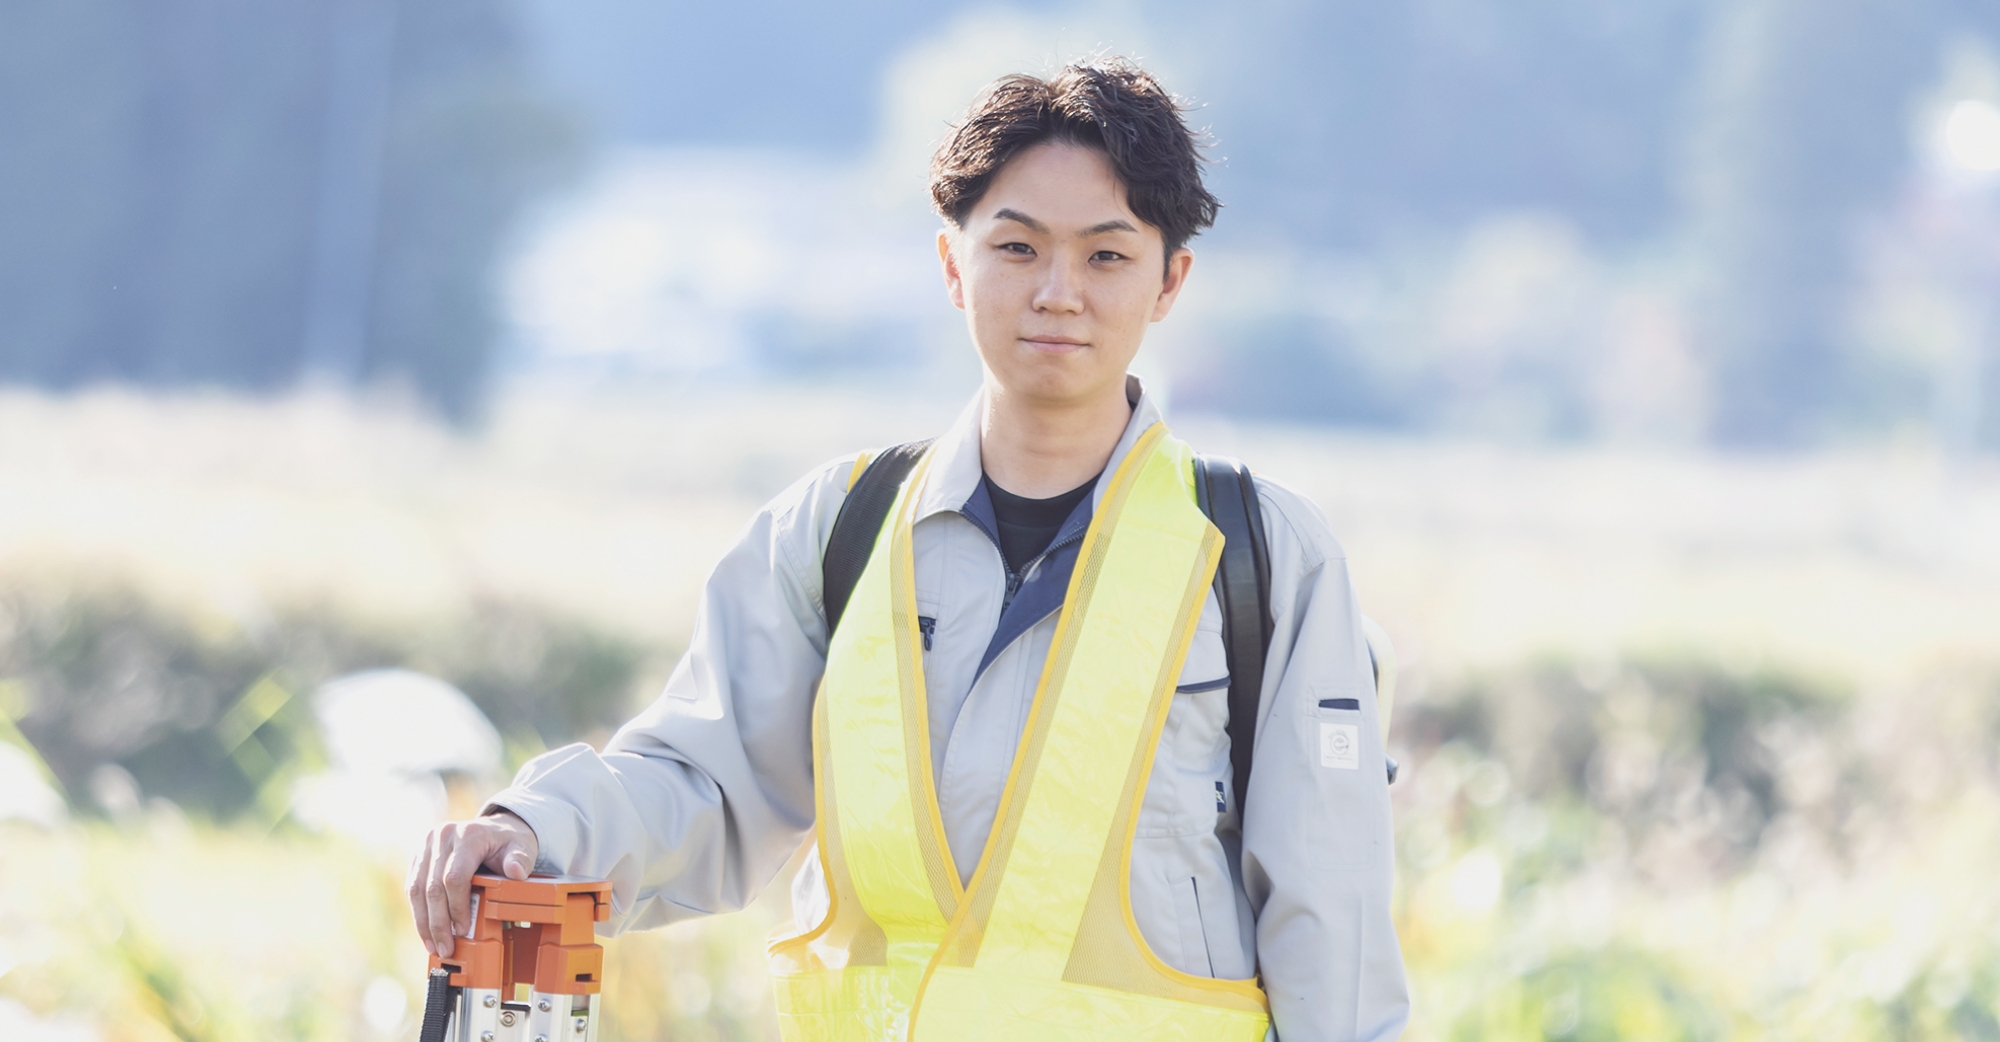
{"x":224,"y":191}
{"x":1758,"y":133}
{"x":790,"y":74}
{"x":1801,"y":130}
{"x":1349,"y":122}
{"x":1291,"y":368}
{"x":470,"y":144}
{"x":197,"y":191}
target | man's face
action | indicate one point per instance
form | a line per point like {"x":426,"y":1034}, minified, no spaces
{"x":1057,"y":277}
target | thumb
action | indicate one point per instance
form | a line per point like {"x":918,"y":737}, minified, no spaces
{"x":514,"y":861}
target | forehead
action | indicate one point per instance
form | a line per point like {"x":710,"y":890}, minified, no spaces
{"x":1063,"y":186}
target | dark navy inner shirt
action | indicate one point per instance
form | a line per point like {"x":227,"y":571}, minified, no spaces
{"x":1028,"y":526}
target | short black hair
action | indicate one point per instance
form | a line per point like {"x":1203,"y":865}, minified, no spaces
{"x":1109,"y":104}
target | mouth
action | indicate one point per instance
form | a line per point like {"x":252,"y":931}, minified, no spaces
{"x":1054,"y":344}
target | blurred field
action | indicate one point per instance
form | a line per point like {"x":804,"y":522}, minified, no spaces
{"x":1693,"y":747}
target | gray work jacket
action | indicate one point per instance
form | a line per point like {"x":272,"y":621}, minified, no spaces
{"x":696,"y":804}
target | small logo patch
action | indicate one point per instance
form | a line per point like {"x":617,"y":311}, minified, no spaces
{"x":1340,"y":746}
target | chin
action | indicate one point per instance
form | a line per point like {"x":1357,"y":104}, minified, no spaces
{"x":1055,"y":378}
{"x":1054,"y":387}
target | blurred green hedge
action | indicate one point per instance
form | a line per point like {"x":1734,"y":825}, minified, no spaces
{"x":212,"y":716}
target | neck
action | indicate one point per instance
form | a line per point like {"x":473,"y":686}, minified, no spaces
{"x":1040,"y":449}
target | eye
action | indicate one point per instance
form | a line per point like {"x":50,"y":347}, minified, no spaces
{"x":1018,"y":249}
{"x":1107,"y":256}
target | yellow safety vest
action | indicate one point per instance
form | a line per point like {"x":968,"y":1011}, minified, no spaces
{"x":1042,"y":945}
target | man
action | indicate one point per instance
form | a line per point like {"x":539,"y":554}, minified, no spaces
{"x":1011,"y":755}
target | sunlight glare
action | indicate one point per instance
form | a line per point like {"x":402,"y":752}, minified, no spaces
{"x":1972,"y":136}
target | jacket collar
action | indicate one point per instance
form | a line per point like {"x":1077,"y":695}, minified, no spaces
{"x":956,"y":468}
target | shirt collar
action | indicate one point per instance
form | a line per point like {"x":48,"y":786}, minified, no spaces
{"x":956,"y":468}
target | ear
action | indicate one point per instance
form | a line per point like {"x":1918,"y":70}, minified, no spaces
{"x":954,"y":283}
{"x":1170,"y":287}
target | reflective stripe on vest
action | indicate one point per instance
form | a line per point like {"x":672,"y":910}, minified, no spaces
{"x":1043,"y":939}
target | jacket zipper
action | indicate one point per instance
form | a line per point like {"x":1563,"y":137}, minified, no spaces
{"x":1014,"y":578}
{"x":1014,"y":581}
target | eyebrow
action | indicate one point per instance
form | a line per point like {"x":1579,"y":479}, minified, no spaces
{"x":1010,"y":214}
{"x":1116,"y":224}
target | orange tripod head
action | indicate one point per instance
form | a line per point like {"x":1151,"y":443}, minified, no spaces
{"x":527,"y":968}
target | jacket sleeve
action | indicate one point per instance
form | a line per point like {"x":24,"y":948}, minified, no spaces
{"x":1318,"y":854}
{"x":697,"y":803}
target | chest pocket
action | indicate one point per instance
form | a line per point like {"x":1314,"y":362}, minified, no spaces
{"x":1181,"y":796}
{"x":1207,"y":665}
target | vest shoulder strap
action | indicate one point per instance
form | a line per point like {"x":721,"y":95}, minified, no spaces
{"x":855,"y":528}
{"x":1228,"y":496}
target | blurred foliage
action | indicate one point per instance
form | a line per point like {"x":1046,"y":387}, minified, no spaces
{"x":1683,"y":749}
{"x":1606,"y":996}
{"x":212,"y":716}
{"x":1672,"y":848}
{"x":171,"y":930}
{"x":1783,"y":830}
{"x":1588,"y":851}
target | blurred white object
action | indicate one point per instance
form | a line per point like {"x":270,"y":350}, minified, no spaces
{"x":391,"y":734}
{"x":26,"y":796}
{"x":18,"y":1024}
{"x":398,"y":721}
{"x":384,"y":1005}
{"x":387,"y":813}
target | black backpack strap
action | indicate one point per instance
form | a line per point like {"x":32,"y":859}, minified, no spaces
{"x":859,"y":522}
{"x":1243,"y":582}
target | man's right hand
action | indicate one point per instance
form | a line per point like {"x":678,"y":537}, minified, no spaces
{"x":440,"y":883}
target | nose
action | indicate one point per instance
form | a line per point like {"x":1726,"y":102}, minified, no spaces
{"x":1061,"y":291}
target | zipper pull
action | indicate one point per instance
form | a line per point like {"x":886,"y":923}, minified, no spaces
{"x":928,"y":627}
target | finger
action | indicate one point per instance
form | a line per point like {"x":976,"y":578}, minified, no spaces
{"x":474,"y":843}
{"x":420,"y":870}
{"x":437,"y":904}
